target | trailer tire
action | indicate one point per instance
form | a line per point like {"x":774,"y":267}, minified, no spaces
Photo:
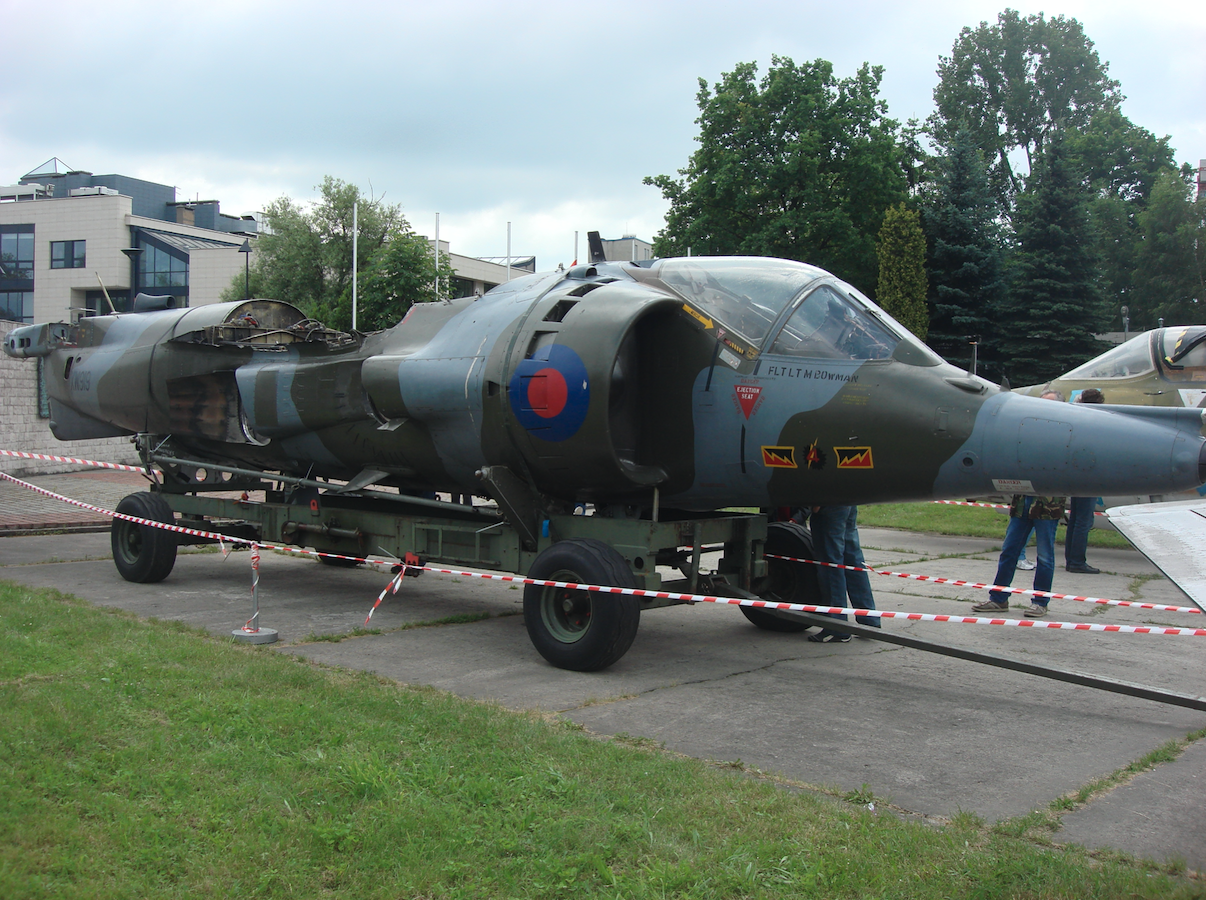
{"x":583,"y":631}
{"x":339,"y":562}
{"x":786,"y":582}
{"x":142,"y":553}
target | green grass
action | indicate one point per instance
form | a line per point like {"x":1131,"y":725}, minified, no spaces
{"x":965,"y":521}
{"x":143,"y":759}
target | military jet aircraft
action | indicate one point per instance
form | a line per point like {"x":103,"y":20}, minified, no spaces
{"x":718,"y":381}
{"x":1161,"y":367}
{"x":1164,"y":367}
{"x":654,"y":392}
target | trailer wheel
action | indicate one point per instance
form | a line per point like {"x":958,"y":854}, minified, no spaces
{"x":786,"y":582}
{"x":340,"y":562}
{"x":142,"y":553}
{"x":581,"y":630}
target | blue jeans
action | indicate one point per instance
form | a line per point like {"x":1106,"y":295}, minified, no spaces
{"x":1080,"y":520}
{"x":835,"y":539}
{"x":1016,"y":536}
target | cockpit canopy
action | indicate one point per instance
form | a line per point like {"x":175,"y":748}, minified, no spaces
{"x":790,"y":309}
{"x":1179,"y":353}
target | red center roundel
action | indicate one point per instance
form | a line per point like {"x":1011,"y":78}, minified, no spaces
{"x":547,"y":393}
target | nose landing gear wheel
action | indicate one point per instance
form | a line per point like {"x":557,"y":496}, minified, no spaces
{"x":786,"y":582}
{"x":581,"y":630}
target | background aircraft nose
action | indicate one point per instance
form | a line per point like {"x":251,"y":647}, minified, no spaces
{"x":1026,"y":445}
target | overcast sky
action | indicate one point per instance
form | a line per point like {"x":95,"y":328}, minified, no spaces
{"x":543,"y":114}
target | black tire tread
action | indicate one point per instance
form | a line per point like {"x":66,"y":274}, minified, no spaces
{"x":608,"y":644}
{"x":157,"y":551}
{"x":788,"y":539}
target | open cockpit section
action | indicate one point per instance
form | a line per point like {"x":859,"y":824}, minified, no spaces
{"x":260,"y":324}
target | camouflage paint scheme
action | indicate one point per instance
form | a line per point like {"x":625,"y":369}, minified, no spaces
{"x":718,"y":381}
{"x":1161,"y":367}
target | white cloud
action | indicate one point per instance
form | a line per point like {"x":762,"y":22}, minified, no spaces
{"x":544,"y":114}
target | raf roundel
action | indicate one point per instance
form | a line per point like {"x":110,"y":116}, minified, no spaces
{"x":550,"y":393}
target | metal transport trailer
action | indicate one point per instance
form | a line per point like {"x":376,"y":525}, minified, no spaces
{"x":572,"y":629}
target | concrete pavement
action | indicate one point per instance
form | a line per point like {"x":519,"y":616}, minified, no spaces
{"x":928,"y":734}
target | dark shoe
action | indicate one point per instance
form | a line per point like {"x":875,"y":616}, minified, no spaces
{"x":988,"y":606}
{"x":829,"y":637}
{"x":1086,"y":569}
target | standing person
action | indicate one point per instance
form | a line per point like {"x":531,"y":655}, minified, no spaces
{"x":1080,"y":514}
{"x":1026,"y":514}
{"x":835,"y":540}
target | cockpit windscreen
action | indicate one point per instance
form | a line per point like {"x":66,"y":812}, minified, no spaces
{"x":747,"y":294}
{"x":1124,"y":361}
{"x":827,"y":325}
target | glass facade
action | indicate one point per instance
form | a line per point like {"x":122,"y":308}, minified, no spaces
{"x":160,"y":271}
{"x":16,"y":251}
{"x":17,"y":306}
{"x":67,"y":254}
{"x":16,"y":272}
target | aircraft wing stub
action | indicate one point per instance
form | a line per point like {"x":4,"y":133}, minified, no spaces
{"x":1171,"y":535}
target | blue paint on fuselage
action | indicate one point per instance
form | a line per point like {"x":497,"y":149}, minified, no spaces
{"x":1081,"y":450}
{"x":787,"y":387}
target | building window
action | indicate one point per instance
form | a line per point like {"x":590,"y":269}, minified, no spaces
{"x":67,"y":254}
{"x":95,"y":303}
{"x":16,"y":251}
{"x":16,"y":305}
{"x":159,"y":269}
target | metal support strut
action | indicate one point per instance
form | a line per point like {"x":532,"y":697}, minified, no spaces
{"x":1096,"y":682}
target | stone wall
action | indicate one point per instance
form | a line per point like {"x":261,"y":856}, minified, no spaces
{"x":22,"y":429}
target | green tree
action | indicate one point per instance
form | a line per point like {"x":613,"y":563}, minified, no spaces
{"x":1047,"y":320}
{"x":966,"y":252}
{"x":1118,"y":158}
{"x":800,"y":165}
{"x":401,"y":274}
{"x":1120,"y":163}
{"x":1170,"y":270}
{"x":1011,"y":84}
{"x":305,"y":257}
{"x":902,"y":281}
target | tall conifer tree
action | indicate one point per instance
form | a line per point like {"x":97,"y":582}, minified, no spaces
{"x":902,"y":282}
{"x":1047,"y":320}
{"x":965,"y":253}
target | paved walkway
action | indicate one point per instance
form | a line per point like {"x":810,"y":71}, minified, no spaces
{"x":929,"y":735}
{"x":23,"y":511}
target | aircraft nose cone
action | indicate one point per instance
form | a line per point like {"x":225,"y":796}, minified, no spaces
{"x":1026,"y":445}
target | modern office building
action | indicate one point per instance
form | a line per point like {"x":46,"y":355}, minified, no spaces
{"x":628,"y":248}
{"x":68,"y":238}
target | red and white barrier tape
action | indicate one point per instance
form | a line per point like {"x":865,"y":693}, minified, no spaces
{"x":971,"y":503}
{"x":20,"y":454}
{"x":664,"y":595}
{"x":828,"y":610}
{"x":992,"y":505}
{"x":982,"y":585}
